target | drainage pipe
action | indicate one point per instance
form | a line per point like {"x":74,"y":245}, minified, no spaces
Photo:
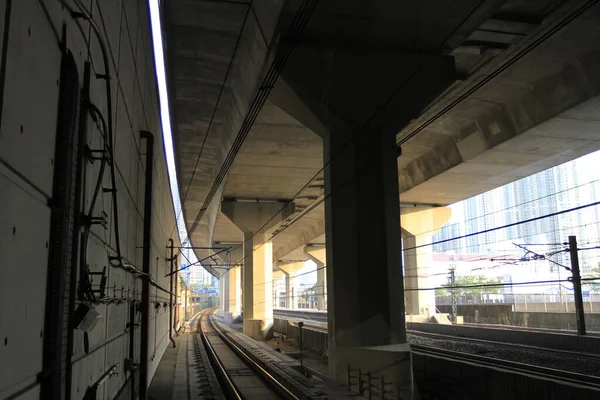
{"x":146,"y":265}
{"x":171,"y":277}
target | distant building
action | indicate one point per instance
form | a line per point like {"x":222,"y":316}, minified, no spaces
{"x":563,"y":187}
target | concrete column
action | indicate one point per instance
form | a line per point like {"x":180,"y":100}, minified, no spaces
{"x":358,"y":100}
{"x":318,"y":255}
{"x":224,"y":295}
{"x":277,"y":275}
{"x":289,"y":293}
{"x":418,"y":228}
{"x":291,"y":269}
{"x":364,"y":274}
{"x":233,"y":294}
{"x":254,"y":219}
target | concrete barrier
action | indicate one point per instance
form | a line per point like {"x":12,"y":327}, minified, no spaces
{"x":311,"y":339}
{"x":550,"y":340}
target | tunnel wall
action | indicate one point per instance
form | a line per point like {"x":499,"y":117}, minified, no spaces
{"x":31,"y":33}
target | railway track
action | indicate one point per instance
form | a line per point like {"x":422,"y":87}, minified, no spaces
{"x":240,"y":376}
{"x":557,"y":375}
{"x":505,"y":345}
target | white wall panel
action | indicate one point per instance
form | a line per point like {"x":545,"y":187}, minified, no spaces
{"x":34,"y":66}
{"x":24,"y":235}
{"x":31,"y":90}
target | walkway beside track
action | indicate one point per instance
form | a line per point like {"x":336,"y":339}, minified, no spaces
{"x":184,"y":372}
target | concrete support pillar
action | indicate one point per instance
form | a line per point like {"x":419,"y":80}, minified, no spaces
{"x":290,"y":269}
{"x":318,"y":255}
{"x":254,"y":219}
{"x":358,"y":100}
{"x":418,"y":229}
{"x":224,"y":294}
{"x":233,"y":294}
{"x":364,"y":274}
{"x":277,"y":290}
{"x":258,"y":286}
{"x":289,"y":293}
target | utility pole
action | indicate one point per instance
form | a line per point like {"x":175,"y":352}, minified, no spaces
{"x":453,"y":286}
{"x":579,"y":314}
{"x":300,"y":325}
{"x":185,"y":307}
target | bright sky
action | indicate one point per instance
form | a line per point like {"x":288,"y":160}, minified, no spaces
{"x":164,"y":112}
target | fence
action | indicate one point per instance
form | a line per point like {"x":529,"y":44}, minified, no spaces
{"x":530,"y":302}
{"x":306,"y":302}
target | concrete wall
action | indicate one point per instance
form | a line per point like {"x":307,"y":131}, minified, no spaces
{"x":488,"y":313}
{"x":30,"y":86}
{"x":502,"y":314}
{"x":552,"y":320}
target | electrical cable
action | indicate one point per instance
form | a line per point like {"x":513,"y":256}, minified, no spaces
{"x":488,"y":77}
{"x":210,"y":123}
{"x":399,"y":143}
{"x":106,"y":77}
{"x":507,"y":225}
{"x":297,"y":26}
{"x":539,"y":41}
{"x":520,"y":237}
{"x":87,"y":289}
{"x":274,"y":215}
{"x":503,"y":284}
{"x":536,"y":200}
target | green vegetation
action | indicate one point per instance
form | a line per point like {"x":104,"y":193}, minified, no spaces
{"x":197,"y":287}
{"x":594,"y":285}
{"x":462,"y":289}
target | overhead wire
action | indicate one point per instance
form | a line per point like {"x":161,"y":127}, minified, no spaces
{"x":596,"y":203}
{"x":214,"y":112}
{"x":536,"y":200}
{"x":521,"y":237}
{"x":478,"y":86}
{"x":285,"y":48}
{"x":486,"y":78}
{"x":326,"y":196}
{"x":107,"y":127}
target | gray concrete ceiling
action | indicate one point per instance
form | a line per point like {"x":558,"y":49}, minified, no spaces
{"x":519,"y":122}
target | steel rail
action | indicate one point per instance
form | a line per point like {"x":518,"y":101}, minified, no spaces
{"x":509,"y":345}
{"x":559,"y":376}
{"x":261,"y":372}
{"x":226,"y":383}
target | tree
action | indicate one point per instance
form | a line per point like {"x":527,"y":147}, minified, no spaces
{"x":595,"y":285}
{"x":462,"y":284}
{"x":199,"y":287}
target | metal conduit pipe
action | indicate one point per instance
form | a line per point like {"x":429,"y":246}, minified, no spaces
{"x":171,"y":259}
{"x":92,"y":391}
{"x":145,"y":306}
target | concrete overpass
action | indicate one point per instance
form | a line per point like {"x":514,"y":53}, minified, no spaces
{"x":476,"y":97}
{"x":288,"y":119}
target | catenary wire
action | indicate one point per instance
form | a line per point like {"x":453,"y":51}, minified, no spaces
{"x":214,"y":112}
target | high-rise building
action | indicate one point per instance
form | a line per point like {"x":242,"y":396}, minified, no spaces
{"x":550,"y":192}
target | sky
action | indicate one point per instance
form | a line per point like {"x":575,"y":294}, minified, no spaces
{"x":165,"y":113}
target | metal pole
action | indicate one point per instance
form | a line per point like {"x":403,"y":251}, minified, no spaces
{"x":300,"y":325}
{"x":453,"y":285}
{"x":144,"y":340}
{"x":577,"y":286}
{"x":171,"y":259}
